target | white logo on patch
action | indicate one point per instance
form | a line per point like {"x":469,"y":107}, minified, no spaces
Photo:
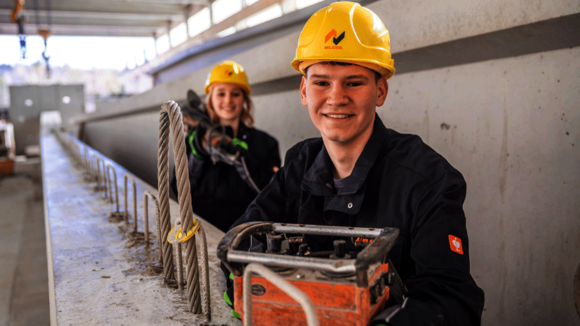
{"x":456,"y":244}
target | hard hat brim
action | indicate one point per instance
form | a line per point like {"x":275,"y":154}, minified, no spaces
{"x":390,"y":69}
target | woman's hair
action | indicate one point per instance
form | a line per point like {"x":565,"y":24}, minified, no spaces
{"x":246,"y":117}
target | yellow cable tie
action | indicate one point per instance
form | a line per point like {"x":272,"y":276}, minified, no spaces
{"x":175,"y":235}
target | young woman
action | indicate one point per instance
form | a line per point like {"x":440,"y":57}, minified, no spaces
{"x":221,"y":192}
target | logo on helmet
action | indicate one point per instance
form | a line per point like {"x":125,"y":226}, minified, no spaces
{"x":229,"y":73}
{"x":332,"y":34}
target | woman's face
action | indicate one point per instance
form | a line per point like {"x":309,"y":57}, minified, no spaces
{"x":228,"y":101}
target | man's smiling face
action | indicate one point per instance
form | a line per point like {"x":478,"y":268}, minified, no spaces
{"x":342,"y":100}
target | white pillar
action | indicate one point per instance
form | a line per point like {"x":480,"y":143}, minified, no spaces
{"x":169,"y":34}
{"x":155,"y":40}
{"x":288,"y":6}
{"x":186,"y":15}
{"x":209,"y":2}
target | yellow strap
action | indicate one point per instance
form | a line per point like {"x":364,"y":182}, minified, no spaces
{"x":175,"y":235}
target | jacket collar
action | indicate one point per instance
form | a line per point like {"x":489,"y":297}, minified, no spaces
{"x":318,"y":179}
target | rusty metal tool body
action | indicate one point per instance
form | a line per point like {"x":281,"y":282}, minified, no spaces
{"x":344,"y":288}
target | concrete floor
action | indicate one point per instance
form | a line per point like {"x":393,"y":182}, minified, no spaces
{"x":23,"y":269}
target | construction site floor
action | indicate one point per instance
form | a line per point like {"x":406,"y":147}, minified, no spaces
{"x":23,"y":268}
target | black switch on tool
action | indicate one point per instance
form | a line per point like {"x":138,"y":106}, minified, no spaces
{"x":274,"y":243}
{"x":302,"y":249}
{"x":339,"y":248}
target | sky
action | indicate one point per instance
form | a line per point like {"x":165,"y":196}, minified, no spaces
{"x":81,"y":52}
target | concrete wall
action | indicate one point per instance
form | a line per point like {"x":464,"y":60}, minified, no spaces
{"x":511,"y":127}
{"x":510,"y":124}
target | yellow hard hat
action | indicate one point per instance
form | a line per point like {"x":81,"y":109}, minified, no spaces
{"x":345,"y":32}
{"x":228,"y":72}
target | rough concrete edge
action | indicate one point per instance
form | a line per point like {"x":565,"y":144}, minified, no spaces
{"x":49,"y":261}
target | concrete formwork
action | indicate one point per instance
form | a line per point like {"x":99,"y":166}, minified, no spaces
{"x":509,"y":123}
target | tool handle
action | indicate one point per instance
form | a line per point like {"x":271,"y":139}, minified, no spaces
{"x":373,"y":253}
{"x":234,"y":237}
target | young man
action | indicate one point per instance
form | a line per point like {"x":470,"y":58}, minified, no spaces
{"x":359,"y":173}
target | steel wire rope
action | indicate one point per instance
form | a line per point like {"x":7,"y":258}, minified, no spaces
{"x":184,"y":199}
{"x":170,"y":116}
{"x":163,"y":185}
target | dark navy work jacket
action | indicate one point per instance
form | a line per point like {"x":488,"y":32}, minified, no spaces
{"x":398,"y":181}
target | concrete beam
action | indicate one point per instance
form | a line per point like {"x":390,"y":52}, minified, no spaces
{"x":96,"y":274}
{"x":424,"y":23}
{"x":548,"y":35}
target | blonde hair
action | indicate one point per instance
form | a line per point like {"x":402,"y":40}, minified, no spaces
{"x":246,"y":117}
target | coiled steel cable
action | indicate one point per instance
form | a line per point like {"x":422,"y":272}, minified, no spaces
{"x":163,"y":185}
{"x":204,"y":267}
{"x":170,"y":116}
{"x":173,"y":111}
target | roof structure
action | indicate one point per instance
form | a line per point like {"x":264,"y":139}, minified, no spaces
{"x":145,"y":18}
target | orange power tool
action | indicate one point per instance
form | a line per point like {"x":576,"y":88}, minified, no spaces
{"x":342,"y":287}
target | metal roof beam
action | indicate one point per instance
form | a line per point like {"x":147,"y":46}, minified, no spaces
{"x":77,"y":30}
{"x":31,"y":14}
{"x":102,"y":6}
{"x":31,"y":23}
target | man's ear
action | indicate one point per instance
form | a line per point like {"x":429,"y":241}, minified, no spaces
{"x":382,"y":91}
{"x":303,"y":91}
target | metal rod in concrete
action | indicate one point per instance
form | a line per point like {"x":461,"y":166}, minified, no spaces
{"x":85,"y":158}
{"x":179,"y":262}
{"x":127,"y":176}
{"x":109,"y":169}
{"x":147,"y":195}
{"x":93,"y":177}
{"x":102,"y":178}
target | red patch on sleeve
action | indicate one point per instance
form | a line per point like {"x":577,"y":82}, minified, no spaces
{"x":455,"y":244}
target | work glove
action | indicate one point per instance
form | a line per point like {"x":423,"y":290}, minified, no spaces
{"x":237,"y":145}
{"x":195,"y":142}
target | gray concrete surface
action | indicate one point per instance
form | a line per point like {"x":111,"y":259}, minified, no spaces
{"x":511,"y":127}
{"x":97,"y":273}
{"x":23,"y":269}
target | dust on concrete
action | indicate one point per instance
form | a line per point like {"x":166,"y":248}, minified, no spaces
{"x":133,"y":291}
{"x":143,"y":261}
